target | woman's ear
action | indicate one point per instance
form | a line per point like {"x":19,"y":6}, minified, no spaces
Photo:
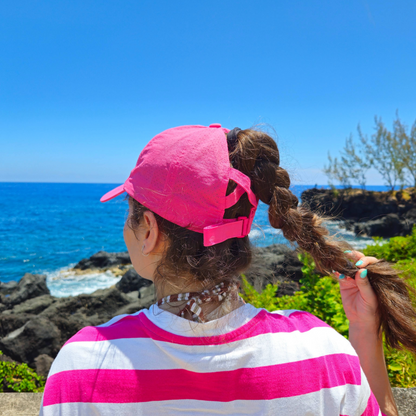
{"x":151,"y":233}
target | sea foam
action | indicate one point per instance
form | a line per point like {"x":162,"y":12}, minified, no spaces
{"x":66,"y":282}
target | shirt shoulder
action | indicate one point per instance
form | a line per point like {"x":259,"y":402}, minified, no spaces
{"x":307,"y":331}
{"x":89,"y":350}
{"x":91,"y":343}
{"x":295,"y":320}
{"x":120,"y":326}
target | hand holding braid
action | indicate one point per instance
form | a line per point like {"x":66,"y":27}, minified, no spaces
{"x":256,"y":154}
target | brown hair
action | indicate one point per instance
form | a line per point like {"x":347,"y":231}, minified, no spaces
{"x":256,"y":154}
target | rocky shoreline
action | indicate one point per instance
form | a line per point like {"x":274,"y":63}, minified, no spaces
{"x":34,"y":325}
{"x":371,"y":213}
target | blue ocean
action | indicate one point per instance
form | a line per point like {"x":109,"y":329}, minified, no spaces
{"x":49,"y":227}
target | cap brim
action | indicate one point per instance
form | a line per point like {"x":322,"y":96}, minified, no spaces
{"x":112,"y":194}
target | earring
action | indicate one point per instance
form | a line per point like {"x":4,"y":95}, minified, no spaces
{"x":144,"y":255}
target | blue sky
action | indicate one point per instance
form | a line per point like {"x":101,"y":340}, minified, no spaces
{"x":84,"y":85}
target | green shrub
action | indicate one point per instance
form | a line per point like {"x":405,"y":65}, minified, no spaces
{"x":401,"y":366}
{"x":396,"y":249}
{"x":401,"y":251}
{"x":321,"y":297}
{"x":335,"y":192}
{"x":408,"y":267}
{"x":19,"y":378}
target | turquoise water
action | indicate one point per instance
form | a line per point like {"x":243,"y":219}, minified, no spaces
{"x":48,"y":227}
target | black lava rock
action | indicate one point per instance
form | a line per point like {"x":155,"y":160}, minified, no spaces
{"x":386,"y":227}
{"x":132,"y":281}
{"x":102,"y":259}
{"x":9,"y":323}
{"x":35,"y":337}
{"x":43,"y":364}
{"x":382,"y":214}
{"x":30,"y":286}
{"x":34,"y":305}
{"x":8,"y":287}
{"x":275,"y":263}
{"x":287,"y":289}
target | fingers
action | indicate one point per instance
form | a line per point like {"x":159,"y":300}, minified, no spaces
{"x":344,"y":281}
{"x":354,"y":255}
{"x":361,"y":276}
{"x":360,"y":280}
{"x":364,"y":286}
{"x":360,"y":259}
{"x":365,"y":261}
{"x":361,"y":283}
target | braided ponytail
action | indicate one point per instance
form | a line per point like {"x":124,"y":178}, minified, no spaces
{"x":256,"y":154}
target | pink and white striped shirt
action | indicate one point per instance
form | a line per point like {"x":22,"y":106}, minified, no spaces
{"x":249,"y":362}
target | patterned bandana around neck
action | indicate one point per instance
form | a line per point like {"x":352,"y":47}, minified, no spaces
{"x":218,"y":293}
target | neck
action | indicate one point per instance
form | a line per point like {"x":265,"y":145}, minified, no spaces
{"x":198,"y":302}
{"x":170,"y":286}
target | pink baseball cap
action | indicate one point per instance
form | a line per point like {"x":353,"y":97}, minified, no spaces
{"x":182,"y":175}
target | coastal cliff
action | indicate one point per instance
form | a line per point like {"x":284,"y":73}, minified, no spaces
{"x":371,"y":213}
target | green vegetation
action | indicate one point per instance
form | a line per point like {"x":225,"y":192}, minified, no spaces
{"x":391,"y":153}
{"x":321,"y":297}
{"x":19,"y":378}
{"x":397,"y":249}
